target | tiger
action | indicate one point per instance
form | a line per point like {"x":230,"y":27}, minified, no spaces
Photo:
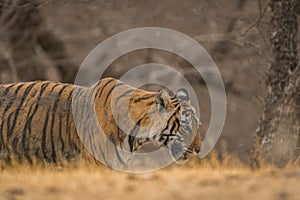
{"x":59,"y":123}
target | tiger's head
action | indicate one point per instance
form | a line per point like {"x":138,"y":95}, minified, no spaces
{"x":181,"y":131}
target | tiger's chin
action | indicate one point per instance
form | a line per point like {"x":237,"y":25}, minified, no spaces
{"x":182,"y":160}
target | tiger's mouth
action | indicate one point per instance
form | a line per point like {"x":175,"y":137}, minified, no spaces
{"x":179,"y":152}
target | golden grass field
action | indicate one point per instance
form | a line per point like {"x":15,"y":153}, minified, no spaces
{"x":190,"y":181}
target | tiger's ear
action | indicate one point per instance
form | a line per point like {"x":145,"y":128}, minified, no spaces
{"x":183,"y":94}
{"x":163,"y":98}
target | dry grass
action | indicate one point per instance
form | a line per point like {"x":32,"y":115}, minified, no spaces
{"x":207,"y":179}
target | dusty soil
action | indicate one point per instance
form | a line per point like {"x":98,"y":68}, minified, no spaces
{"x":171,"y":183}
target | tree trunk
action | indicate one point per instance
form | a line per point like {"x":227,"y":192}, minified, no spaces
{"x":277,"y":136}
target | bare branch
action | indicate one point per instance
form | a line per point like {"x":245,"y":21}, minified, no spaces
{"x":257,"y":21}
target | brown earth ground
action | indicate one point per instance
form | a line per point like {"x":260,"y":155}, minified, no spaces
{"x":176,"y":182}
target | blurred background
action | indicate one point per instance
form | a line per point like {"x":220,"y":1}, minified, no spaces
{"x":48,"y":40}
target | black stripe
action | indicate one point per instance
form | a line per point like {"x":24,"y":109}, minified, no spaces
{"x":28,"y":122}
{"x":150,"y":103}
{"x":31,"y":106}
{"x":119,"y":134}
{"x":49,"y":158}
{"x":176,"y":122}
{"x":7,"y":89}
{"x":166,"y":141}
{"x":95,"y":87}
{"x":16,"y":149}
{"x":7,"y":142}
{"x":16,"y":139}
{"x":167,"y":127}
{"x":8,"y":124}
{"x":28,"y":89}
{"x":110,"y":91}
{"x":131,"y":142}
{"x":173,"y":127}
{"x":175,"y":104}
{"x":133,"y":134}
{"x":19,"y":87}
{"x":55,"y":86}
{"x":12,"y":100}
{"x":143,"y":98}
{"x":60,"y":134}
{"x":58,"y":97}
{"x":149,"y":96}
{"x":136,"y":127}
{"x":171,"y":117}
{"x":29,"y":118}
{"x":99,"y":92}
{"x":1,"y":138}
{"x":31,"y":96}
{"x":44,"y":136}
{"x":124,"y":94}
